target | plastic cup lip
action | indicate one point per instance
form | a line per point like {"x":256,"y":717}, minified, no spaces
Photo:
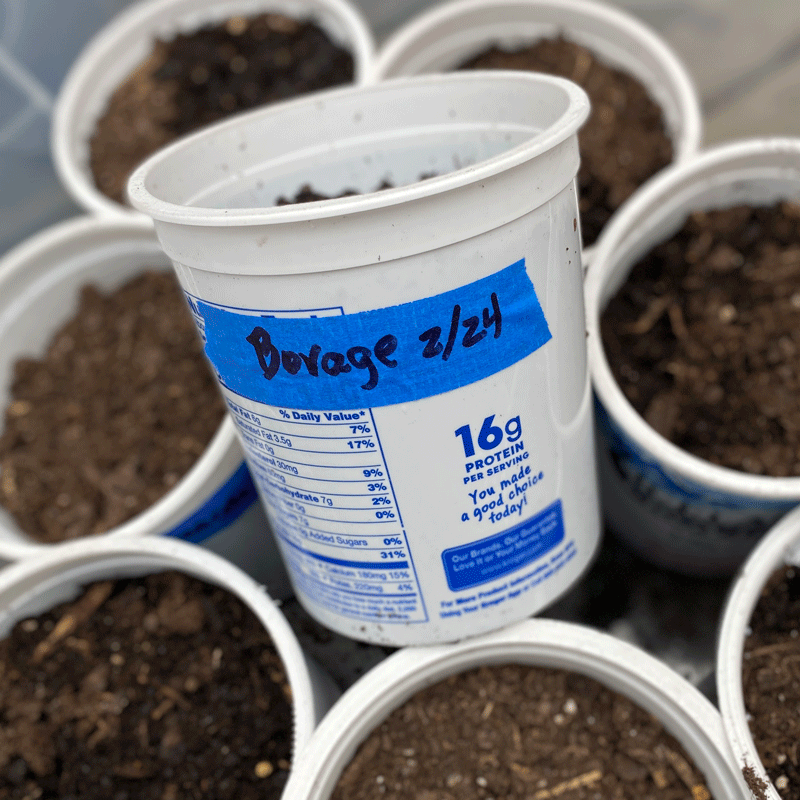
{"x":779,"y":547}
{"x":629,"y":228}
{"x":123,"y":34}
{"x":620,"y":666}
{"x":49,"y":244}
{"x":84,"y":561}
{"x":144,"y":199}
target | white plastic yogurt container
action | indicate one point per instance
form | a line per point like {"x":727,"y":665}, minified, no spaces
{"x":619,"y":666}
{"x":215,"y":504}
{"x":675,"y":509}
{"x":58,"y":575}
{"x":447,"y":34}
{"x":779,"y":548}
{"x":126,"y":41}
{"x":407,"y":368}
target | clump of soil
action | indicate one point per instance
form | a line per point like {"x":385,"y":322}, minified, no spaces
{"x":308,"y":194}
{"x":771,"y":681}
{"x":157,"y":688}
{"x":704,"y":336}
{"x":624,"y":141}
{"x":201,"y":77}
{"x":114,"y":414}
{"x":520,"y":732}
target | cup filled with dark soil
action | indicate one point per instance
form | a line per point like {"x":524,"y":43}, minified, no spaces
{"x":693,"y":318}
{"x":165,"y":68}
{"x":113,"y":424}
{"x":540,"y":710}
{"x":757,"y":652}
{"x":148,"y":668}
{"x":645,"y":111}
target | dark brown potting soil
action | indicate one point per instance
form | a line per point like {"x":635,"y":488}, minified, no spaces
{"x":624,"y":141}
{"x":118,"y":409}
{"x":771,"y":680}
{"x":160,"y":688}
{"x":520,"y":732}
{"x":704,"y":338}
{"x":308,"y":194}
{"x":204,"y":76}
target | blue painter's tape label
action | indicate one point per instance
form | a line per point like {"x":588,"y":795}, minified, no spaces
{"x":480,"y":562}
{"x":377,"y":358}
{"x":225,"y":506}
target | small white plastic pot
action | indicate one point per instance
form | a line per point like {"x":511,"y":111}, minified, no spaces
{"x":118,"y":48}
{"x":35,"y":585}
{"x":619,"y":666}
{"x":779,"y":548}
{"x":675,"y":509}
{"x":215,"y":504}
{"x":446,"y":35}
{"x":453,"y":490}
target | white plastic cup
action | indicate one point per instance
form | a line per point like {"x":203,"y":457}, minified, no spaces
{"x":448,"y":34}
{"x":675,"y":509}
{"x":379,"y":498}
{"x":36,"y":585}
{"x":779,"y":548}
{"x":619,"y":666}
{"x":215,"y":504}
{"x":124,"y":43}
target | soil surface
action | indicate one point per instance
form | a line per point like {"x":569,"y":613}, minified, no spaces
{"x":207,"y":75}
{"x":114,"y":414}
{"x":308,"y":194}
{"x":771,"y":680}
{"x":704,"y":338}
{"x":520,"y":732}
{"x":160,"y":688}
{"x":623,"y":142}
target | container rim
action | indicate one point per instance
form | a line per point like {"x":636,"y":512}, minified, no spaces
{"x":616,"y":243}
{"x":144,"y":199}
{"x":618,"y":665}
{"x":778,"y":547}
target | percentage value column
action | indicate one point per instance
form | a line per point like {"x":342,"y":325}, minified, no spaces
{"x":327,"y":479}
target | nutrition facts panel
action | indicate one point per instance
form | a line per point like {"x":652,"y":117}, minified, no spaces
{"x":334,"y":507}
